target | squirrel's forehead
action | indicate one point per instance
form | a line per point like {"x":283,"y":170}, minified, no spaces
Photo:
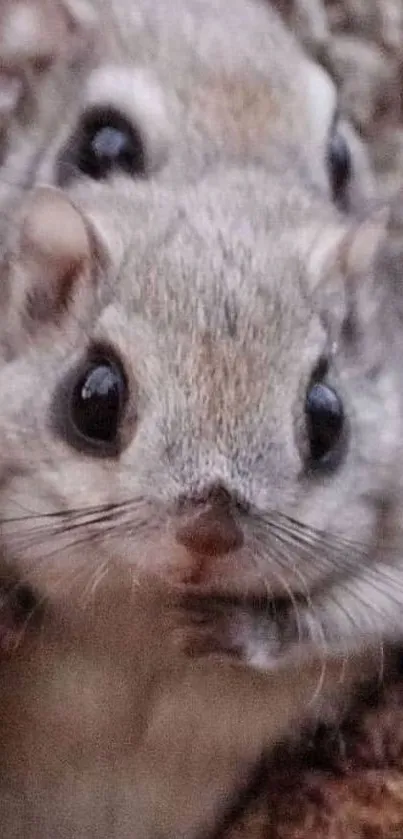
{"x":230,"y":283}
{"x":177,"y":318}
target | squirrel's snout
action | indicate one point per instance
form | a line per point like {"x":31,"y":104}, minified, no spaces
{"x":210,"y":531}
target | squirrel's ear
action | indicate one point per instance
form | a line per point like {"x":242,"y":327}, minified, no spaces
{"x":362,"y":244}
{"x":36,"y":34}
{"x":367,"y":296}
{"x":53,"y":263}
{"x":352,"y":296}
{"x":351,"y":248}
{"x":358,"y":262}
{"x":55,"y":251}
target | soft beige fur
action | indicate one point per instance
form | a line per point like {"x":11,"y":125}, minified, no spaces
{"x":107,"y":730}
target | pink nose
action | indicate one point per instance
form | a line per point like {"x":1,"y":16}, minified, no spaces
{"x":211,"y":531}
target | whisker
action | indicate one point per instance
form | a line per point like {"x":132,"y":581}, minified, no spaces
{"x":321,"y":680}
{"x":99,"y":575}
{"x":87,"y":539}
{"x":355,"y":623}
{"x":97,"y":511}
{"x":315,"y":532}
{"x":344,"y":555}
{"x":283,"y":583}
{"x":310,"y":607}
{"x":311,"y":535}
{"x":378,"y":577}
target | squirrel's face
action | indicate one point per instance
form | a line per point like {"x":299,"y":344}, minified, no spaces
{"x":196,"y":387}
{"x":161,"y":90}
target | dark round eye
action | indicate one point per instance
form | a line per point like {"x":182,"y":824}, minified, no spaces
{"x":325,"y":422}
{"x":340,"y":165}
{"x":97,"y":401}
{"x":104,"y":142}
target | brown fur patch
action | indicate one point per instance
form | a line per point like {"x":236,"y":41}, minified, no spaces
{"x":238,"y":110}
